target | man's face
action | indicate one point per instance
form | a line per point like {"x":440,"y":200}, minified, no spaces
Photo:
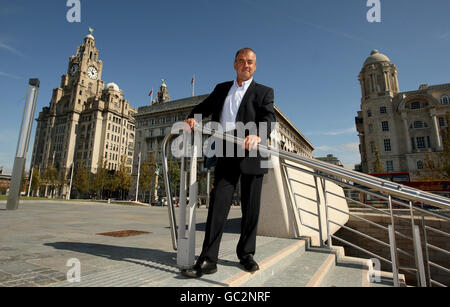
{"x":245,"y":66}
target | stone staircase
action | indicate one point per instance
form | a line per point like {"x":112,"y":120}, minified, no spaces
{"x":283,"y":263}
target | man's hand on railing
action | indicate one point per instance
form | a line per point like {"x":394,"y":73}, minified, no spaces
{"x":251,"y":142}
{"x":191,"y":122}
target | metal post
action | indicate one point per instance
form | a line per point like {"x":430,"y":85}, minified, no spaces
{"x":324,"y":187}
{"x":419,"y":256}
{"x":427,"y":256}
{"x":71,"y":180}
{"x":319,"y":215}
{"x":393,"y":245}
{"x":30,"y":181}
{"x":138,"y":175}
{"x":22,"y":146}
{"x":186,"y":246}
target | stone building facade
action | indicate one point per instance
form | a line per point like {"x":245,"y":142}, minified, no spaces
{"x":86,"y":121}
{"x":403,"y":127}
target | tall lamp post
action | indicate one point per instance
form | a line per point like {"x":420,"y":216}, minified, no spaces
{"x":22,"y":145}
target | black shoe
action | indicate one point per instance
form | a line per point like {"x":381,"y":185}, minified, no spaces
{"x":200,"y":268}
{"x":209,"y":267}
{"x":249,"y":264}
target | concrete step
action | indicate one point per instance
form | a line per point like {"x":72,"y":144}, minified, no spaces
{"x":271,"y":255}
{"x":283,"y":263}
{"x":354,"y":272}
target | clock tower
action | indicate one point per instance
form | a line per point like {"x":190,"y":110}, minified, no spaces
{"x":87,"y":123}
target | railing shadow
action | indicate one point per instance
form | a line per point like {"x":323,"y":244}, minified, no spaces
{"x":151,"y":258}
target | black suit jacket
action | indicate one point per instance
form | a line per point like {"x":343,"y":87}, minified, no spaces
{"x":256,"y":106}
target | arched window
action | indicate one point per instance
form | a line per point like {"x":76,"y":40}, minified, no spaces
{"x":445,"y":99}
{"x":415,"y":105}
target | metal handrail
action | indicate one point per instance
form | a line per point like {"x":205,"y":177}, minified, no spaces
{"x":395,"y":194}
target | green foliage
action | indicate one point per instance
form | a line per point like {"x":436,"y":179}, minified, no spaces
{"x":81,"y":180}
{"x":378,"y":166}
{"x":437,"y":165}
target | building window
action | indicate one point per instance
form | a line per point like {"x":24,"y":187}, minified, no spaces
{"x":369,"y":113}
{"x":385,"y":126}
{"x":387,"y":145}
{"x":419,"y":165}
{"x":413,"y":143}
{"x":415,"y":105}
{"x":390,"y":166}
{"x":420,"y":142}
{"x":441,"y":122}
{"x":429,"y":141}
{"x":418,"y":125}
{"x":383,"y":110}
{"x":445,"y":99}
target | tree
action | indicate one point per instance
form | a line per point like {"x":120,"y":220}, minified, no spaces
{"x":437,"y":165}
{"x":36,"y":180}
{"x":100,"y":178}
{"x":50,"y":178}
{"x":378,"y":166}
{"x":147,"y":176}
{"x":81,"y":180}
{"x":124,"y":179}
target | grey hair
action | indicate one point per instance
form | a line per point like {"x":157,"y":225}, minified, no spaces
{"x":244,"y":50}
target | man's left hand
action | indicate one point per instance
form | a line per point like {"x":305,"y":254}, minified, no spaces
{"x":251,"y":142}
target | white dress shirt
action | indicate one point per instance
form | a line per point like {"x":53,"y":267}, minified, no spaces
{"x":232,"y":105}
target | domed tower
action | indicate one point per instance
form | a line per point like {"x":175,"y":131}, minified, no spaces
{"x":378,"y":77}
{"x":163,"y":95}
{"x":376,"y":122}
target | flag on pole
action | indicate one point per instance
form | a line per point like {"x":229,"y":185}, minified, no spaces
{"x":193,"y":86}
{"x":151,"y":95}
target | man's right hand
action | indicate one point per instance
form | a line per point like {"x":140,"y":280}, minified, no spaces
{"x":191,"y":122}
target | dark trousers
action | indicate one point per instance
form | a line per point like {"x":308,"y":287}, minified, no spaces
{"x":226,"y":177}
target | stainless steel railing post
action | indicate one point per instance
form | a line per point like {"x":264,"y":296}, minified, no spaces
{"x":324,"y":187}
{"x":393,"y":245}
{"x":319,"y":215}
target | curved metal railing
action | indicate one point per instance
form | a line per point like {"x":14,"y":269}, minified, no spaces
{"x":387,"y":192}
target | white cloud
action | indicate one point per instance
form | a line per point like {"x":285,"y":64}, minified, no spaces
{"x":333,"y":133}
{"x":348,"y":153}
{"x":11,"y":49}
{"x":4,"y":74}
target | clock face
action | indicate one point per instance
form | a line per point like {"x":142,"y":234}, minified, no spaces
{"x":74,"y":69}
{"x":92,"y":73}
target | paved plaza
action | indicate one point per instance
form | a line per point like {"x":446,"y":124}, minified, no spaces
{"x":39,"y":239}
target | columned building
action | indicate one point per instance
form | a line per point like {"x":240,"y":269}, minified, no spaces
{"x":86,"y":121}
{"x":397,"y":128}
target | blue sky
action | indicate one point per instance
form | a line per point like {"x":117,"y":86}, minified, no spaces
{"x":310,"y":52}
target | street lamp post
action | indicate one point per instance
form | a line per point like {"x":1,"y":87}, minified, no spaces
{"x":22,"y":146}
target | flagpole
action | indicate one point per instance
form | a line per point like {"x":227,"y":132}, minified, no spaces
{"x":193,"y":86}
{"x":138,"y":175}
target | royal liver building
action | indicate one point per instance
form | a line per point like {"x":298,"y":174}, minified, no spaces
{"x":86,"y":121}
{"x":398,"y":129}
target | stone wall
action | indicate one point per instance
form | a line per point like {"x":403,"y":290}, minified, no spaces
{"x":403,"y":225}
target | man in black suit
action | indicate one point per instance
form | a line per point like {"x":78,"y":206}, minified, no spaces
{"x":234,"y":104}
